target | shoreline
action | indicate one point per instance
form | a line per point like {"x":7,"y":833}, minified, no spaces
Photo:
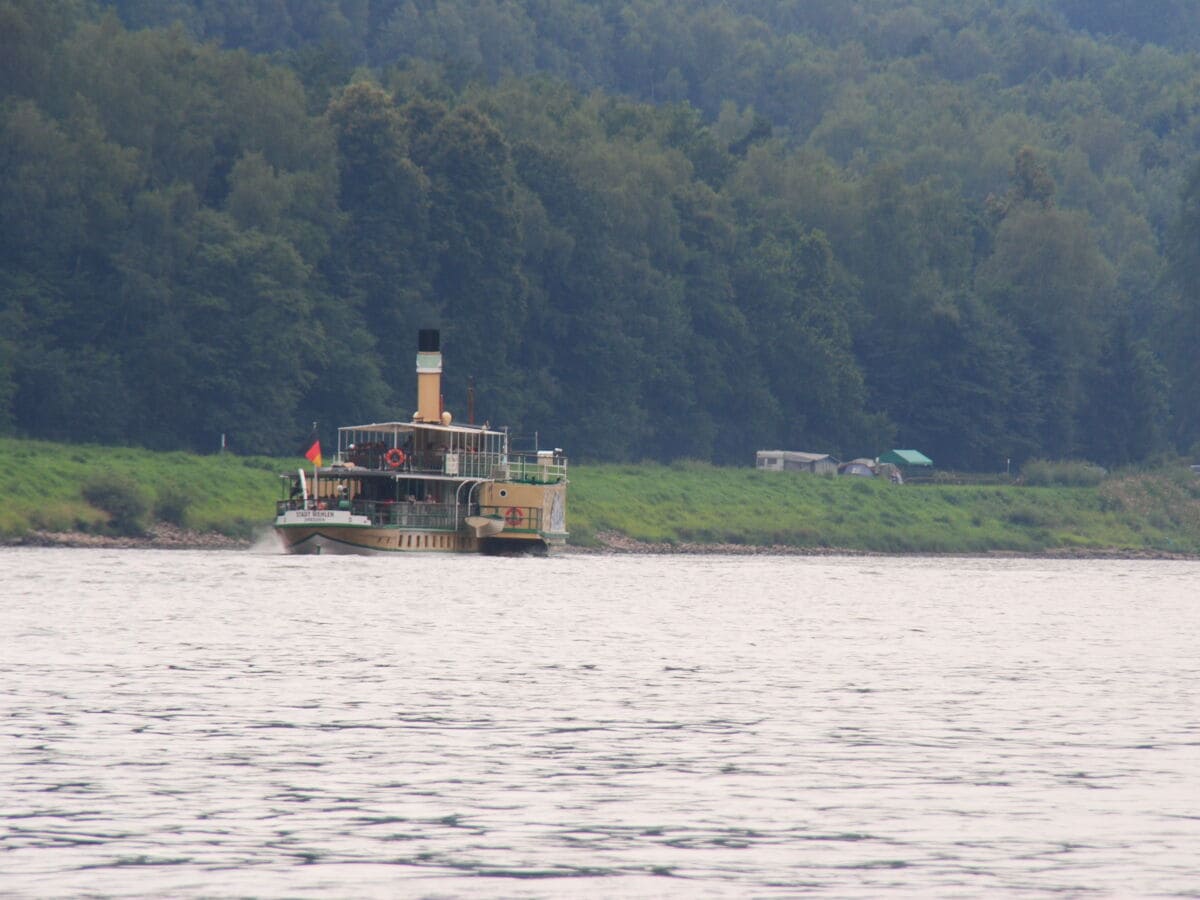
{"x":615,"y":543}
{"x":164,"y":536}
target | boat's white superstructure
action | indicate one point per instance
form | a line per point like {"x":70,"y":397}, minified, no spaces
{"x":426,"y":485}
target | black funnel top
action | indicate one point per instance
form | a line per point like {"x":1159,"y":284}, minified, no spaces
{"x":429,"y":340}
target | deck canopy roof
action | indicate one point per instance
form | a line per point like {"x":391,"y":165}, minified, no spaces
{"x":406,"y":427}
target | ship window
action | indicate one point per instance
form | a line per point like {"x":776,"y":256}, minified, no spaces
{"x":503,"y":493}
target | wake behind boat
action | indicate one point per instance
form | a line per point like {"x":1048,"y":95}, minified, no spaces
{"x":426,"y":485}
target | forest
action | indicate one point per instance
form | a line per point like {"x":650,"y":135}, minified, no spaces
{"x":648,"y":230}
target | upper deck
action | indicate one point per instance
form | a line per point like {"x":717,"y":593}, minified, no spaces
{"x":465,"y":452}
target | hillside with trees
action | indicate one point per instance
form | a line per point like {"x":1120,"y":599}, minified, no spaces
{"x":649,"y":230}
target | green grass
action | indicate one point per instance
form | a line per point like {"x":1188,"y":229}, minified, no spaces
{"x":695,"y":503}
{"x":43,"y":488}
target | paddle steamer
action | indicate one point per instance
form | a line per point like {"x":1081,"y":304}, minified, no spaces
{"x":426,"y":485}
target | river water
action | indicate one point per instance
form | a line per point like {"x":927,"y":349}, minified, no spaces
{"x":246,"y":724}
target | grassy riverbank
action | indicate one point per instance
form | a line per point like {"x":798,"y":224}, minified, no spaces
{"x":688,"y":503}
{"x":45,"y":488}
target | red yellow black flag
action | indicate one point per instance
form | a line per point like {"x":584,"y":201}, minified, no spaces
{"x":312,"y":448}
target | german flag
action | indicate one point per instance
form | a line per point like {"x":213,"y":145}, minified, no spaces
{"x":312,"y":448}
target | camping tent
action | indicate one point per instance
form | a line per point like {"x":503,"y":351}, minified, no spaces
{"x":864,"y":468}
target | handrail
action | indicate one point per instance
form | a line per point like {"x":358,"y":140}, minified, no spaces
{"x":533,"y":468}
{"x":524,"y":467}
{"x":516,"y":518}
{"x":403,"y":513}
{"x":424,"y":516}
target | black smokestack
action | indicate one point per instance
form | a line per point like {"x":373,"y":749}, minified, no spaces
{"x":429,"y":340}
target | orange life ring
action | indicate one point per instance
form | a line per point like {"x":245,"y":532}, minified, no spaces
{"x":394,"y":457}
{"x":513,"y":516}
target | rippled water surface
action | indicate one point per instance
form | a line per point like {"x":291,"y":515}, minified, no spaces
{"x":227,"y":724}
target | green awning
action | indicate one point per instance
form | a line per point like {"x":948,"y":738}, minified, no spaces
{"x":906,"y":458}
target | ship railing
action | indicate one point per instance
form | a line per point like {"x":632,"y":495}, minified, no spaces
{"x":544,"y":467}
{"x":516,"y":518}
{"x":314,"y":503}
{"x":460,"y":463}
{"x":415,"y":514}
{"x":469,"y":464}
{"x":410,"y":514}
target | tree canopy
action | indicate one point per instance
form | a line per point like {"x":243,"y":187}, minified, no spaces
{"x":647,"y":229}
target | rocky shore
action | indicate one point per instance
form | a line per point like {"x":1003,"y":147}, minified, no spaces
{"x":162,"y":536}
{"x":615,"y":542}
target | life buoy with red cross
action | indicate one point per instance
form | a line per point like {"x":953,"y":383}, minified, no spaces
{"x":513,"y":517}
{"x":394,"y":457}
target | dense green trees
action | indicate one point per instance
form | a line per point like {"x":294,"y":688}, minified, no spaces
{"x":1182,"y":318}
{"x":701,"y":230}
